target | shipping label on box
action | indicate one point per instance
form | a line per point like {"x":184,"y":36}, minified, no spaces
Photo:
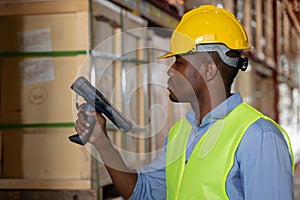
{"x":37,"y":70}
{"x":35,"y":40}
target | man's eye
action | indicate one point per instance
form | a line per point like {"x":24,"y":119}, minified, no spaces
{"x":179,"y":63}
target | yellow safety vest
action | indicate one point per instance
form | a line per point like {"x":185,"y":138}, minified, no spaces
{"x":204,"y":176}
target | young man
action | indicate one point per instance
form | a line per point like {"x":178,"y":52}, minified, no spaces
{"x":223,"y":148}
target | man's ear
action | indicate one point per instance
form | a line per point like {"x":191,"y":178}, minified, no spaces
{"x":211,"y":71}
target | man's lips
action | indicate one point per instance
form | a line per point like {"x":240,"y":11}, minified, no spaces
{"x":170,"y":85}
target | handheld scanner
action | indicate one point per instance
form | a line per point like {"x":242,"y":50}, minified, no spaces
{"x":95,"y":99}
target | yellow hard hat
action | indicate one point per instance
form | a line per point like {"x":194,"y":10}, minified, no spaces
{"x":207,"y":25}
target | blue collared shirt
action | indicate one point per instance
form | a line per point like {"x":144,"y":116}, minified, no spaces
{"x":262,"y":167}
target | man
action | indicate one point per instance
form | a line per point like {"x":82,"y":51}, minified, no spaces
{"x":223,"y":148}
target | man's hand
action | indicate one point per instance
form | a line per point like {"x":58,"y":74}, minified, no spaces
{"x":82,"y":125}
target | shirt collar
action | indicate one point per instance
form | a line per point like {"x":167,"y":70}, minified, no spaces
{"x":218,"y":112}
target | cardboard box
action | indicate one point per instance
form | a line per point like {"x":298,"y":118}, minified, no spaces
{"x":30,"y":93}
{"x":44,"y":154}
{"x":26,"y":7}
{"x":45,"y":32}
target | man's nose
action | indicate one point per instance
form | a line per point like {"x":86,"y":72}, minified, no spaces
{"x":171,"y":71}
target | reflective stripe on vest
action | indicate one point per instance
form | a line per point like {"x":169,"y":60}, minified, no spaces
{"x":204,"y":176}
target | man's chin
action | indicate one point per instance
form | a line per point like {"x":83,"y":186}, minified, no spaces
{"x":173,"y":98}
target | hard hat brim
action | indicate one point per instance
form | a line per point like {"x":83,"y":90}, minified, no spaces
{"x":167,"y":55}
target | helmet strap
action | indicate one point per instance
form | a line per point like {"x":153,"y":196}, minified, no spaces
{"x":236,"y":62}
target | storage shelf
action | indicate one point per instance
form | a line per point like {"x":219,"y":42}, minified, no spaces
{"x":37,"y":125}
{"x":58,"y":125}
{"x":73,"y":53}
{"x":44,"y":184}
{"x":45,"y":53}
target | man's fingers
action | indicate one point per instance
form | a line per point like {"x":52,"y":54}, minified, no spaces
{"x":81,"y":107}
{"x":81,"y":127}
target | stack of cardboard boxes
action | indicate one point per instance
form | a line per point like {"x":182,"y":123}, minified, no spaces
{"x":43,"y":45}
